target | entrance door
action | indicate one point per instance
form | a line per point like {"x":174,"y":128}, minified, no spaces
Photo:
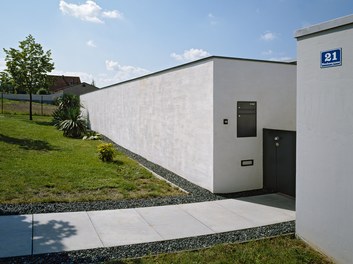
{"x":279,"y":161}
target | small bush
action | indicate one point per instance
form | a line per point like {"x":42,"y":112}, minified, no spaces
{"x":75,"y":125}
{"x":42,"y":91}
{"x":106,"y":152}
{"x":65,"y":104}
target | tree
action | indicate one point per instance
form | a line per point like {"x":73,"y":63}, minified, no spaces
{"x":28,"y":67}
{"x":5,"y":82}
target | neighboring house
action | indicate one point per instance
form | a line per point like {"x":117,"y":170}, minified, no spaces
{"x":60,"y":82}
{"x":203,"y":120}
{"x":324,"y":210}
{"x":80,"y":89}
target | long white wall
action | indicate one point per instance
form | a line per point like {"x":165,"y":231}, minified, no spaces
{"x":273,"y":86}
{"x":166,"y":118}
{"x":324,"y":211}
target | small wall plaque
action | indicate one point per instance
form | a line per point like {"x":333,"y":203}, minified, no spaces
{"x":245,"y":163}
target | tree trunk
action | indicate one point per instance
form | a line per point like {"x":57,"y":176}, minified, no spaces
{"x":30,"y":106}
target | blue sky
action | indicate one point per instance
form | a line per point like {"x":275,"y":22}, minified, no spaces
{"x":111,"y":41}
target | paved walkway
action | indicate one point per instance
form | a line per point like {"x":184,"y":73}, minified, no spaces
{"x":57,"y":232}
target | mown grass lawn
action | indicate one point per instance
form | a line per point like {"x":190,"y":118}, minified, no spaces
{"x":39,"y":164}
{"x":280,"y":250}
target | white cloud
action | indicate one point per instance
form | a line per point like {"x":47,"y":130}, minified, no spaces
{"x":212,"y":18}
{"x":111,"y":65}
{"x":190,"y":55}
{"x":268,"y":36}
{"x":123,"y":72}
{"x":89,"y":11}
{"x":91,"y":44}
{"x":267,"y":52}
{"x":112,"y":14}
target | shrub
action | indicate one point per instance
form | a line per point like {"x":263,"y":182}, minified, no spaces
{"x":42,"y":91}
{"x":74,"y":125}
{"x":106,"y":152}
{"x":92,"y":135}
{"x":65,"y":104}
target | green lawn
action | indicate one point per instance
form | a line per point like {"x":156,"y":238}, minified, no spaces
{"x":280,"y":250}
{"x":39,"y":164}
{"x":22,"y":107}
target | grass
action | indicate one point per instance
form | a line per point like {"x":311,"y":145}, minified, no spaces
{"x":279,"y":250}
{"x":22,"y":108}
{"x":39,"y":164}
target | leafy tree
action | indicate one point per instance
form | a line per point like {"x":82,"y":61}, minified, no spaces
{"x":6,"y":83}
{"x":28,"y":67}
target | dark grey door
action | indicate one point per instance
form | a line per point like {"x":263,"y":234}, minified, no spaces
{"x":279,"y":150}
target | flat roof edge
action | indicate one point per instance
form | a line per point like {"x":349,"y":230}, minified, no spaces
{"x":206,"y":59}
{"x":338,"y":22}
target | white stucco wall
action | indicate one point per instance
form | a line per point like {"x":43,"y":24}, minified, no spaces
{"x":273,"y":86}
{"x":324,"y":211}
{"x":167,"y":118}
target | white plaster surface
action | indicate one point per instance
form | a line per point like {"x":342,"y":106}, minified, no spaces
{"x":325,"y":143}
{"x":175,"y":118}
{"x":273,"y":87}
{"x":167,"y":118}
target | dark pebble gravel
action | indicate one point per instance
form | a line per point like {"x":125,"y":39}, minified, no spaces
{"x":195,"y":194}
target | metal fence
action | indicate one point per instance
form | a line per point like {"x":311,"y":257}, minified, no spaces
{"x":47,"y":99}
{"x":17,"y":103}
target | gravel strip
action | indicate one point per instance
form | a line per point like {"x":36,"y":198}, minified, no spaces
{"x":139,"y":250}
{"x":195,"y":194}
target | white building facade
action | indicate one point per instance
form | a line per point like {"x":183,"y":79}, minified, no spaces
{"x":324,"y":211}
{"x":185,"y":118}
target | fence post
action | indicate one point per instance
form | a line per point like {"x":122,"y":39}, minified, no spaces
{"x":2,"y":101}
{"x":41,"y":104}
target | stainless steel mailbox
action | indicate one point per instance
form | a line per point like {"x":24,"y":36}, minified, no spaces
{"x":246,"y":119}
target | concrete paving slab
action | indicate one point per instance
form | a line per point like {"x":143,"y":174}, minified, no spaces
{"x":274,"y":200}
{"x":256,"y":212}
{"x":171,"y":222}
{"x":216,"y":217}
{"x":59,"y":232}
{"x":15,"y":235}
{"x":122,"y":227}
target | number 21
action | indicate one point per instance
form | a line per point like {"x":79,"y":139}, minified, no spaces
{"x":331,"y":56}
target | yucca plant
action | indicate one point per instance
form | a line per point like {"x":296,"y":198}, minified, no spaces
{"x":74,"y":125}
{"x":65,"y":103}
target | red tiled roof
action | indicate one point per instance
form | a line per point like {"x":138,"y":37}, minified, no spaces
{"x":60,"y":82}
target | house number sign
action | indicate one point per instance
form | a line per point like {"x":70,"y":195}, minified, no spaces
{"x":331,"y":58}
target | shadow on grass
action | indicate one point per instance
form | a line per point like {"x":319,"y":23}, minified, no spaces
{"x":118,"y":162}
{"x":28,"y":144}
{"x":44,"y":123}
